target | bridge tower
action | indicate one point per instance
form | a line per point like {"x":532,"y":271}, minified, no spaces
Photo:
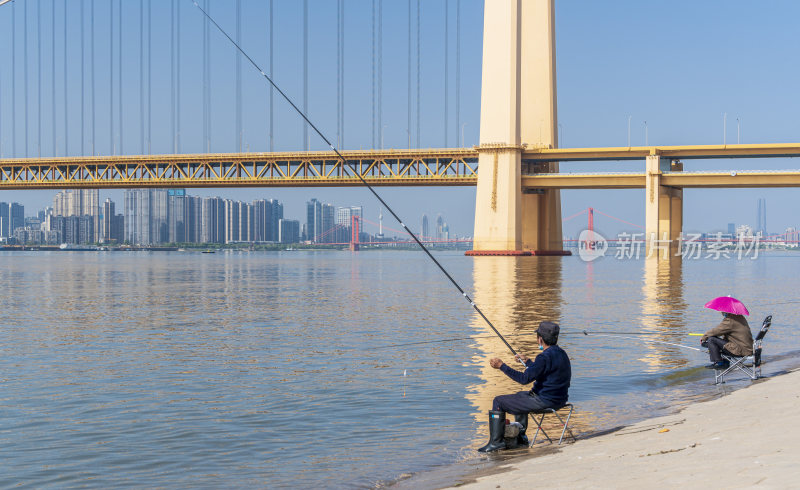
{"x":518,"y":109}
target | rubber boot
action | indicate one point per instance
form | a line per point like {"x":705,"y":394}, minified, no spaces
{"x":522,"y":439}
{"x":497,"y":431}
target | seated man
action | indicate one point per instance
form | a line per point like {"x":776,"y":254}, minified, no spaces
{"x":551,"y":373}
{"x":731,"y":336}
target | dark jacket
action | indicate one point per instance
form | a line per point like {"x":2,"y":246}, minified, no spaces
{"x":551,"y":371}
{"x":736,"y":331}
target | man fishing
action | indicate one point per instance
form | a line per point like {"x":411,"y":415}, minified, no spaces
{"x":551,"y":373}
{"x":732,"y":336}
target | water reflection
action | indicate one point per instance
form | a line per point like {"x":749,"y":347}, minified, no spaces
{"x":663,"y":314}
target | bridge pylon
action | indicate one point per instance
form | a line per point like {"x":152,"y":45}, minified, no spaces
{"x":518,"y":111}
{"x":663,"y":209}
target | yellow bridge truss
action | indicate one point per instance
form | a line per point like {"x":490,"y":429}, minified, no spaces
{"x":445,"y":167}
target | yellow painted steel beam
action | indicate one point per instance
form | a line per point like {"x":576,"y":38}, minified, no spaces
{"x":434,"y":167}
{"x":670,"y":179}
{"x":174,"y":183}
{"x":350,"y":155}
{"x":583,"y":181}
{"x":772,"y":150}
{"x":732,"y":179}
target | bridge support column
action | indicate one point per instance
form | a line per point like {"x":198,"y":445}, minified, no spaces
{"x":541,"y":224}
{"x":663,"y":210}
{"x":498,"y":209}
{"x":518,"y":109}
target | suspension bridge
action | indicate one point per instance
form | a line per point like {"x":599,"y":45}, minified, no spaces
{"x":515,"y":166}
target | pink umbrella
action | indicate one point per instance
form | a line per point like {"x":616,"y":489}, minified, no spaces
{"x":728,"y":304}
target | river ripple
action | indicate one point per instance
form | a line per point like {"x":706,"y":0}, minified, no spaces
{"x":257,"y":369}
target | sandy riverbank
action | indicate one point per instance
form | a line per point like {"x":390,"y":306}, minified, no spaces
{"x":749,"y":437}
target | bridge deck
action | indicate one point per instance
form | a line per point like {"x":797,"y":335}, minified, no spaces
{"x":672,"y":179}
{"x":416,"y":167}
{"x":683,"y":152}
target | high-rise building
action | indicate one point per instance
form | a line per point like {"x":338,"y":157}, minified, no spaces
{"x":344,"y":219}
{"x":231,"y":221}
{"x":246,"y":219}
{"x":159,"y":215}
{"x":77,"y":230}
{"x":439,"y":228}
{"x":77,"y":202}
{"x":16,"y":217}
{"x":118,"y":228}
{"x":320,"y":221}
{"x":147,"y":216}
{"x":4,"y":224}
{"x":107,"y":219}
{"x":80,"y":202}
{"x":761,"y":218}
{"x":12,"y":216}
{"x":425,"y":230}
{"x":731,"y":228}
{"x":314,"y":220}
{"x":137,"y":217}
{"x":328,"y":223}
{"x":212,"y":220}
{"x":262,"y":214}
{"x":177,"y":215}
{"x":266,"y":214}
{"x":113,"y":224}
{"x":238,"y":220}
{"x":289,"y":231}
{"x":194,"y":206}
{"x":277,"y":215}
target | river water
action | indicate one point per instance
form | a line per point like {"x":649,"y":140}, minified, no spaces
{"x":243,"y":369}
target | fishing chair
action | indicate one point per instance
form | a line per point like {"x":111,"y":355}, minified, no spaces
{"x":749,"y":365}
{"x":554,"y":411}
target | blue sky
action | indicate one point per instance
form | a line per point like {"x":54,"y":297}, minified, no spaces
{"x":679,"y":65}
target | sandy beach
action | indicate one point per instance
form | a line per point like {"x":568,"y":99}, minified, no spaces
{"x":747,"y":438}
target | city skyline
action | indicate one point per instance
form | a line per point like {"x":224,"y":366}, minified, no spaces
{"x":158,"y":216}
{"x":433,"y":227}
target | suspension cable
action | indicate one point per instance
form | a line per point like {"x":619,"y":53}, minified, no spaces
{"x":345,"y":164}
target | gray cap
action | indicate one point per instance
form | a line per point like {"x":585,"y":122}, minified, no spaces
{"x":548,"y":329}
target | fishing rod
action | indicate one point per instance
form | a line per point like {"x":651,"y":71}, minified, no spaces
{"x":439,"y":341}
{"x":584,"y":332}
{"x":645,"y":340}
{"x":346,"y":164}
{"x":587,"y":332}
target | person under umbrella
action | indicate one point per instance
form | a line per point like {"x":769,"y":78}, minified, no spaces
{"x":732,"y":336}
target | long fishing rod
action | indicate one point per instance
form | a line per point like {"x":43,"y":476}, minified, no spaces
{"x":645,"y":340}
{"x":345,"y":164}
{"x":589,"y":332}
{"x":440,"y":341}
{"x":584,"y":332}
